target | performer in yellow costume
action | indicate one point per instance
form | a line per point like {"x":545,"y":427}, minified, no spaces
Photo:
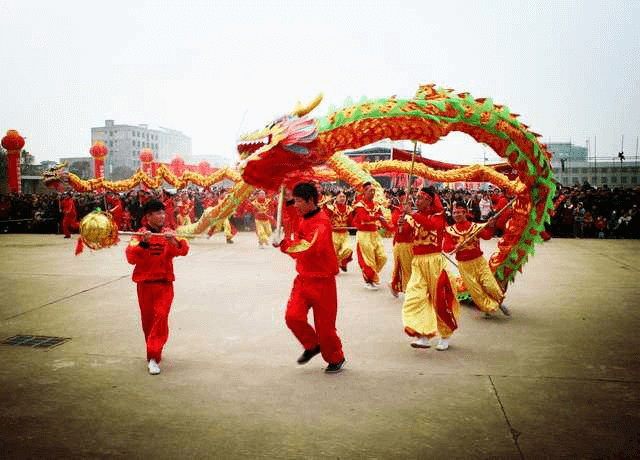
{"x":262,"y":208}
{"x":371,"y":256}
{"x":430,"y":305}
{"x":402,"y":247}
{"x":474,"y":269}
{"x":340,"y":216}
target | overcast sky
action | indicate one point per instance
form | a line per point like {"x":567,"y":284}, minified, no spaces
{"x":570,"y":68}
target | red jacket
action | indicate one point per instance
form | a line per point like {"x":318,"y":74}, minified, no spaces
{"x":457,"y":233}
{"x":153,"y":260}
{"x":313,"y":247}
{"x":366,"y":214}
{"x":402,"y":234}
{"x":68,"y":207}
{"x":428,"y":229}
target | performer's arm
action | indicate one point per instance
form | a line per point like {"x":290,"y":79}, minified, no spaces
{"x":302,"y":247}
{"x":135,"y":250}
{"x":449,"y":243}
{"x":489,"y":230}
{"x":430,"y":222}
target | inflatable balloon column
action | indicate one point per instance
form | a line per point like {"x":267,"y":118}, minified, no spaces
{"x":204,"y":168}
{"x":13,"y":143}
{"x":177,"y":165}
{"x":98,"y":152}
{"x":146,"y":158}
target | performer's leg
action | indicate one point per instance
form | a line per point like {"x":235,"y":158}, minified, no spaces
{"x":380,"y":256}
{"x":402,"y":256}
{"x":366,"y":257}
{"x":325,"y":305}
{"x":396,"y":272}
{"x":489,"y":282}
{"x":66,"y":227}
{"x":418,"y":314}
{"x":145,"y":301}
{"x":296,"y":316}
{"x":471,"y":278}
{"x":263,"y":230}
{"x":162,"y":299}
{"x":259,"y":231}
{"x":342,"y":246}
{"x":227,"y":229}
{"x":436,"y":266}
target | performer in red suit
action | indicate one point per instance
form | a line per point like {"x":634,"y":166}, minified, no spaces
{"x":170,"y":211}
{"x":69,"y":219}
{"x":290,"y":217}
{"x":315,"y":286}
{"x":367,"y":217}
{"x":152,"y":254}
{"x":114,"y":205}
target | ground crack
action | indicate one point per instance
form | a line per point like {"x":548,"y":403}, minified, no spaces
{"x":65,"y":297}
{"x":515,"y":434}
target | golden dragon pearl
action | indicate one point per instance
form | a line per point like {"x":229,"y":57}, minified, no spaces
{"x":98,"y":230}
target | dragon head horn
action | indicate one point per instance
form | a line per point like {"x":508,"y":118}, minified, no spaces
{"x":301,"y":110}
{"x":62,"y":165}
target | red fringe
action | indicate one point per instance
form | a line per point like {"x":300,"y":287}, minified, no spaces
{"x":79,"y":246}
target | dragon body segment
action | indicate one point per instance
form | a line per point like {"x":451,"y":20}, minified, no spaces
{"x":282,"y":150}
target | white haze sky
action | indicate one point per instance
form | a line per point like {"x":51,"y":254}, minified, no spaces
{"x":570,"y":68}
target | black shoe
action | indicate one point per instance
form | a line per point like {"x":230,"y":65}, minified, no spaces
{"x":306,"y":355}
{"x":344,"y":269}
{"x":335,"y":368}
{"x":229,"y":241}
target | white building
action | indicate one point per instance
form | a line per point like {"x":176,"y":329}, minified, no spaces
{"x":572,"y":165}
{"x":125,"y":143}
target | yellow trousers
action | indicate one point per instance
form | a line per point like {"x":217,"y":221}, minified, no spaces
{"x":402,"y":257}
{"x":263,"y":230}
{"x":371,"y":256}
{"x":481,"y":284}
{"x":342,"y":246}
{"x":418,"y":310}
{"x":227,"y":229}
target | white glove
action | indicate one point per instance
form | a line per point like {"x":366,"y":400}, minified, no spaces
{"x":277,"y":237}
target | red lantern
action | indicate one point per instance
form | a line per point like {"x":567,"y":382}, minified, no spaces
{"x":99,"y":151}
{"x":146,"y":158}
{"x":13,"y":143}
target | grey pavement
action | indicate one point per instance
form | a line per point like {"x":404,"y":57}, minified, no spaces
{"x":558,"y":379}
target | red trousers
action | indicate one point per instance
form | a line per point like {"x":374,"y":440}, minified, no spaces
{"x":320,"y":295}
{"x":155,"y":302}
{"x":69,"y":223}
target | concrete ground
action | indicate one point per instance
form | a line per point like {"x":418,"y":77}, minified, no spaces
{"x":560,"y":378}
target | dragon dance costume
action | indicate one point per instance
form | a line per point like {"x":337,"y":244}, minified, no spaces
{"x":184,"y":212}
{"x":473,"y":267}
{"x":402,"y":254}
{"x":153,"y":274}
{"x":371,"y":256}
{"x":430,"y":303}
{"x":340,"y":216}
{"x":70,"y":216}
{"x":263,"y":220}
{"x":314,"y":287}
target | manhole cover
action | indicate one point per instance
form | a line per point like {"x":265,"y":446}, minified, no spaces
{"x":35,"y":341}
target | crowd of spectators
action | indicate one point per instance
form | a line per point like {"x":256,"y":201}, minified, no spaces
{"x":588,"y":212}
{"x":581,"y":211}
